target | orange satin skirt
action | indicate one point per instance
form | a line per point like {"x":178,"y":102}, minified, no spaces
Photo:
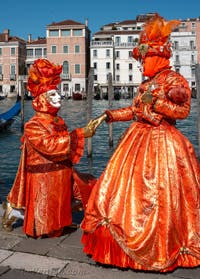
{"x":144,"y":211}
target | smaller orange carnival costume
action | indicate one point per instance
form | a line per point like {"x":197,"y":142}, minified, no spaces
{"x":44,"y":183}
{"x":144,"y":211}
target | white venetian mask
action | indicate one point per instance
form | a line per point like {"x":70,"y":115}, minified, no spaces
{"x":54,"y":98}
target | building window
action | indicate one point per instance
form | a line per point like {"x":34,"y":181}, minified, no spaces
{"x":94,"y":53}
{"x":130,"y":66}
{"x":117,"y":66}
{"x":53,"y":33}
{"x":130,"y":39}
{"x":45,"y":52}
{"x":192,"y":58}
{"x":77,"y":48}
{"x":193,"y":24}
{"x":0,"y":69}
{"x":12,"y":50}
{"x":117,"y":77}
{"x":95,"y":65}
{"x":0,"y":51}
{"x":66,"y":87}
{"x":107,"y":52}
{"x":12,"y":88}
{"x":107,"y":65}
{"x":177,"y":59}
{"x":117,"y":54}
{"x":95,"y":77}
{"x":130,"y":78}
{"x":12,"y":70}
{"x":192,"y":44}
{"x":117,"y":40}
{"x":130,"y":54}
{"x":38,"y":52}
{"x":193,"y":84}
{"x":77,"y":87}
{"x":53,"y":49}
{"x":65,"y":69}
{"x":175,"y":45}
{"x":65,"y":49}
{"x":29,"y":52}
{"x":77,"y":32}
{"x":65,"y":33}
{"x":77,"y":69}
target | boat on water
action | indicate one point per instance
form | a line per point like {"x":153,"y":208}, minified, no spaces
{"x":8,"y":117}
{"x":78,"y":95}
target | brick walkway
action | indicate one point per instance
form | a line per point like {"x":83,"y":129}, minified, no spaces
{"x":27,"y":258}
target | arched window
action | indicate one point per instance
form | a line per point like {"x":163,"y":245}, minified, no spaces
{"x":65,"y":67}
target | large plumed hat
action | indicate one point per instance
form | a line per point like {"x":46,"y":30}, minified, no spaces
{"x":154,"y":38}
{"x":43,"y":76}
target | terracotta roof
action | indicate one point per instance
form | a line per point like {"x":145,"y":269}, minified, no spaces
{"x":10,"y":38}
{"x":65,"y":22}
{"x":38,"y":41}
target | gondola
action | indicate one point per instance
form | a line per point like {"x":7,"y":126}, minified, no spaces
{"x":8,"y":117}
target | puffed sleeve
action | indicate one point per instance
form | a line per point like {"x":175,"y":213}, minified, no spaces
{"x":122,"y":114}
{"x":175,"y":104}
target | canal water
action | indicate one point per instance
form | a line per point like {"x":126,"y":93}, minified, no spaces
{"x":74,"y":113}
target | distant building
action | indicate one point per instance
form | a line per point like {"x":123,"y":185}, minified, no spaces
{"x":12,"y":62}
{"x":109,"y":51}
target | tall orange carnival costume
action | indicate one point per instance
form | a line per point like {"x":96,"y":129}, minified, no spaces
{"x":144,"y":211}
{"x":44,"y":183}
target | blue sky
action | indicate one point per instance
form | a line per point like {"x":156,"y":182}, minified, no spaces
{"x":25,"y":17}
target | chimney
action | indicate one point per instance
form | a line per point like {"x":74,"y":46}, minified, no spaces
{"x":29,"y":38}
{"x":86,"y":22}
{"x":6,"y":33}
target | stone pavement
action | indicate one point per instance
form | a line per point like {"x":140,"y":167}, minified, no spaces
{"x":26,"y":258}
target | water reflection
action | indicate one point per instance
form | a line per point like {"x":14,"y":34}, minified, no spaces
{"x":74,"y":113}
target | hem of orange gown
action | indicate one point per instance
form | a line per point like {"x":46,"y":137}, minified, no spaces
{"x":102,"y":248}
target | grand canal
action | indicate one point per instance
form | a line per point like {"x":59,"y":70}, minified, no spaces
{"x":74,"y":113}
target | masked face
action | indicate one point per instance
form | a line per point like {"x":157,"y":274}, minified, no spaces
{"x":54,"y":98}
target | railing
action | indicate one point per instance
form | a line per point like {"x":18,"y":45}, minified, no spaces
{"x":65,"y":76}
{"x":112,"y":44}
{"x":12,"y":77}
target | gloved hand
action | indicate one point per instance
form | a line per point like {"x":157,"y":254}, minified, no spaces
{"x":91,"y":127}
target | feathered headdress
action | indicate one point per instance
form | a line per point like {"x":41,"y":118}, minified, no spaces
{"x":43,"y":76}
{"x":154,"y":39}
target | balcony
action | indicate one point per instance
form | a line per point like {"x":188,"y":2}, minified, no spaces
{"x":65,"y":76}
{"x":12,"y":77}
{"x":101,"y":44}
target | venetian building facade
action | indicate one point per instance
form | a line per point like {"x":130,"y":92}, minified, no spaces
{"x":109,"y":51}
{"x":68,"y":45}
{"x":12,"y":62}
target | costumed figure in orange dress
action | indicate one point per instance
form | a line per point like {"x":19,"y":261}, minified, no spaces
{"x":46,"y":181}
{"x":144,"y":211}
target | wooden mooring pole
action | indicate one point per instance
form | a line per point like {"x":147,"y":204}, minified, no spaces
{"x":197,"y":76}
{"x":21,"y":94}
{"x":110,"y":104}
{"x":89,"y":107}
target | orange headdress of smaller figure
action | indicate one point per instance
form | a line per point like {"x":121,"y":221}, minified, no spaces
{"x":43,"y":76}
{"x":154,"y":38}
